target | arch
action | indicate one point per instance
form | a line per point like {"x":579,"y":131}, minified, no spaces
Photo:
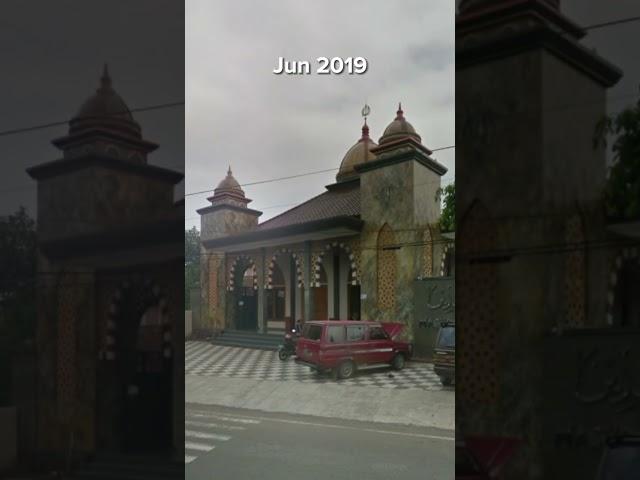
{"x":242,"y":300}
{"x":276,"y":296}
{"x":353,"y":266}
{"x":152,"y":295}
{"x":320,"y":301}
{"x":232,"y":271}
{"x":272,"y":263}
{"x":387,"y":269}
{"x":623,"y":259}
{"x":448,"y":256}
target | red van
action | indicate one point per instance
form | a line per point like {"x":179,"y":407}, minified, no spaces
{"x":343,"y":346}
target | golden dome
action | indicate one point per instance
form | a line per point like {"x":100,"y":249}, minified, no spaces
{"x":229,"y":185}
{"x":398,"y":129}
{"x":357,"y":154}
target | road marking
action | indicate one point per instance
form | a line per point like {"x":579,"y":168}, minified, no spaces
{"x":191,"y":423}
{"x":208,"y":436}
{"x":189,"y":458}
{"x":201,"y":447}
{"x":345,"y":427}
{"x":224,"y":419}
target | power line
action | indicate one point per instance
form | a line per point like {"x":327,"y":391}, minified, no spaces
{"x":611,"y":23}
{"x":271,"y":180}
{"x":445,"y":181}
{"x":42,"y":126}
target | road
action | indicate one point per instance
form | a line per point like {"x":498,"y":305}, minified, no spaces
{"x":231,"y":443}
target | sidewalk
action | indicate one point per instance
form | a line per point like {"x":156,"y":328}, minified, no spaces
{"x":406,"y":407}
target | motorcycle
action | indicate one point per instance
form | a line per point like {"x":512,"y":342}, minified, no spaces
{"x":288,"y":347}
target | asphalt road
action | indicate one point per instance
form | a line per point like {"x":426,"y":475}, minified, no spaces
{"x":229,"y":443}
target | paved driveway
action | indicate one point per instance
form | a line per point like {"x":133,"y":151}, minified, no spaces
{"x":205,"y":359}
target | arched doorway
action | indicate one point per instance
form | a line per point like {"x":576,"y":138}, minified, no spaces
{"x":338,"y":266}
{"x":136,"y":387}
{"x":246,"y":297}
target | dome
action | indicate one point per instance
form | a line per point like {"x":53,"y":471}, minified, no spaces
{"x":106,"y":110}
{"x":398,"y":129}
{"x":229,"y":185}
{"x":357,"y":154}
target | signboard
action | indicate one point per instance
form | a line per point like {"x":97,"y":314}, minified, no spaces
{"x":591,"y":395}
{"x":434,"y":304}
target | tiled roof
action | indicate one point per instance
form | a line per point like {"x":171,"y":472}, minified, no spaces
{"x":333,"y":203}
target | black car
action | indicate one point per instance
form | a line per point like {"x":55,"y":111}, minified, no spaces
{"x":620,"y":459}
{"x":444,"y":356}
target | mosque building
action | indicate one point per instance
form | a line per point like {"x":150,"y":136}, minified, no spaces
{"x":352,"y":252}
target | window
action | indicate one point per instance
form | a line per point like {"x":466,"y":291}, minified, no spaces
{"x":355,"y":334}
{"x":336,"y":334}
{"x":312,"y":332}
{"x":377,"y":333}
{"x":447,"y":337}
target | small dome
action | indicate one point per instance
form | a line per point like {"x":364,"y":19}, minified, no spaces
{"x":229,"y":185}
{"x":399,"y":128}
{"x":357,"y":154}
{"x":105,"y":109}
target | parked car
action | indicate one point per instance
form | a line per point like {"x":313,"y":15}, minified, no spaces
{"x":482,"y":458}
{"x":467,"y":466}
{"x":343,"y":346}
{"x":620,"y":459}
{"x":444,"y":355}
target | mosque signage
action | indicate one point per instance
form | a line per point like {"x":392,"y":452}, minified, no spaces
{"x":434,"y":305}
{"x":436,"y":296}
{"x":592,"y":391}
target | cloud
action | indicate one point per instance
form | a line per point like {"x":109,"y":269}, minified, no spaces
{"x":268,"y":126}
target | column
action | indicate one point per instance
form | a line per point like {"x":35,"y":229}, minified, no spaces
{"x":307,"y":282}
{"x":262,"y":325}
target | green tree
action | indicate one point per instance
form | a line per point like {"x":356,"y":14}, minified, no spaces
{"x":622,"y":191}
{"x":18,"y":243}
{"x":448,"y":216}
{"x":191,"y":263}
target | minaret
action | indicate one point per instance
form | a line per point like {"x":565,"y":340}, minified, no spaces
{"x":104,"y":125}
{"x":528,"y":99}
{"x":397,"y":202}
{"x":228,"y":213}
{"x":103,"y":179}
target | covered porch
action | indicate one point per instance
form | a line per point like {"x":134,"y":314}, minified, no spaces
{"x":279,"y":277}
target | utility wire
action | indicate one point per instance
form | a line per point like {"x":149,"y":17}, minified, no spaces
{"x":42,"y":126}
{"x":611,"y":23}
{"x":271,"y":180}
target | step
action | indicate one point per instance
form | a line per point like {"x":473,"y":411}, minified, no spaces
{"x":245,"y":339}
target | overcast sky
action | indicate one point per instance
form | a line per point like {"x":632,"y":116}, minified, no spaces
{"x":238,"y":112}
{"x":267,"y":126}
{"x":52,"y":55}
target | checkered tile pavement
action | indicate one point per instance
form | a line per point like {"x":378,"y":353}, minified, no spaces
{"x":205,"y":359}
